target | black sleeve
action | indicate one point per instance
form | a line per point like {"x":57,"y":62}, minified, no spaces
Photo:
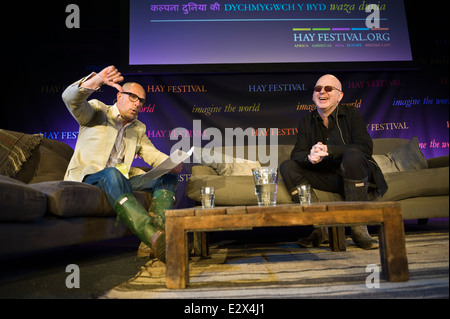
{"x":303,"y":144}
{"x":355,"y":134}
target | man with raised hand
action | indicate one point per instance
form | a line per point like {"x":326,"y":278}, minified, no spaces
{"x":109,"y":138}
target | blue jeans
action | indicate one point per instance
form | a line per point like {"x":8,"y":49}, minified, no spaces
{"x":114,"y":184}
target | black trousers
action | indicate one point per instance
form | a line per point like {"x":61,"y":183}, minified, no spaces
{"x":327,"y":175}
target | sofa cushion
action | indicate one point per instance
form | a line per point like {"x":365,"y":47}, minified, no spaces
{"x":19,"y":202}
{"x":409,"y":156}
{"x":47,"y":162}
{"x":224,"y":164}
{"x":28,"y":168}
{"x":405,"y":158}
{"x":232,"y":190}
{"x":75,"y":199}
{"x":440,"y":161}
{"x":382,"y":146}
{"x":386,"y":164}
{"x":51,"y":167}
{"x":417,"y":183}
{"x":237,"y":168}
{"x":15,"y":149}
{"x":58,"y":147}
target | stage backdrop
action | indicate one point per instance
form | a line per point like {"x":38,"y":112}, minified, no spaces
{"x":48,"y":57}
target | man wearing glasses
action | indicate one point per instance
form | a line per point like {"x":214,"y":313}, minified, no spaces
{"x":108,"y":140}
{"x":333,"y":153}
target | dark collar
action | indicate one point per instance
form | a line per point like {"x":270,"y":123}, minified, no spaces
{"x":317,"y":116}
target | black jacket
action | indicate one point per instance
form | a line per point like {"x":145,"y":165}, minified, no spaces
{"x":347,"y":130}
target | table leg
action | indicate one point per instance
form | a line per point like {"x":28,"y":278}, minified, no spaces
{"x":394,"y":261}
{"x":337,"y":238}
{"x":177,"y":263}
{"x":204,"y":246}
{"x":197,"y":243}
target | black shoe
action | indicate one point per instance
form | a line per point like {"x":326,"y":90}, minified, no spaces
{"x":318,"y":236}
{"x":360,"y":236}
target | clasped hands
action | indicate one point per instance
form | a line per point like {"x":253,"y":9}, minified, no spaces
{"x":317,"y":153}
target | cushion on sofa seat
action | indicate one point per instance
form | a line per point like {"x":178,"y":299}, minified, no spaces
{"x":231,"y":190}
{"x":223,"y":164}
{"x":19,"y":202}
{"x":238,"y":169}
{"x":75,"y":199}
{"x":416,"y":183}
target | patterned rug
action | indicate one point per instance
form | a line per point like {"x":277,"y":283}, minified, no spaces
{"x":284,"y":270}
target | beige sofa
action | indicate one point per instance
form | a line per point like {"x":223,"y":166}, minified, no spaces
{"x":38,"y":210}
{"x":423,"y":190}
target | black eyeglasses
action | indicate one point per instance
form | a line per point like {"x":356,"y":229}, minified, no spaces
{"x":327,"y":88}
{"x":133,"y":98}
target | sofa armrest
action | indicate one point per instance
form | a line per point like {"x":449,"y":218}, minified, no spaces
{"x":203,"y":170}
{"x":441,"y":161}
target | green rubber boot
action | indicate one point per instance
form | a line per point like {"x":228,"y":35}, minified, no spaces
{"x":134,"y":215}
{"x":162,"y":200}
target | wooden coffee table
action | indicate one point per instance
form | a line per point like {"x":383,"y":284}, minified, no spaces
{"x":387,"y":215}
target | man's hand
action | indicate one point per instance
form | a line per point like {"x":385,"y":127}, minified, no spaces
{"x":109,"y":76}
{"x":317,"y":153}
{"x":177,"y":169}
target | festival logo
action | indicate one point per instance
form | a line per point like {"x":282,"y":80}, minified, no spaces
{"x":186,"y":88}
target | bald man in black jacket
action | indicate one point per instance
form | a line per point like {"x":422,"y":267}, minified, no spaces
{"x":333,"y":153}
